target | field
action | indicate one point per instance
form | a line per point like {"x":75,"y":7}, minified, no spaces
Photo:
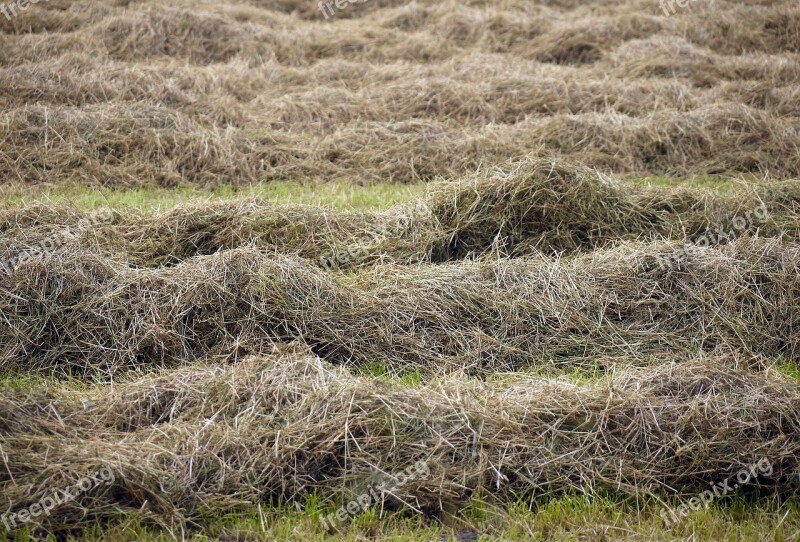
{"x":400,"y":269}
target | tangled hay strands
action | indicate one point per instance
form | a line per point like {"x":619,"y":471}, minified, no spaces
{"x":280,"y":427}
{"x":75,"y":310}
{"x":202,"y":33}
{"x":143,"y":145}
{"x":532,"y":206}
{"x":475,"y":89}
{"x":555,"y":207}
{"x":194,"y":93}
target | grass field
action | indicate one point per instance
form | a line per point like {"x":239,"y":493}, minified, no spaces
{"x":615,"y":515}
{"x":400,"y":270}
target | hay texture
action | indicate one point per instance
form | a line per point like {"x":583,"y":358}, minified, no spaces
{"x":127,"y":94}
{"x":279,"y":427}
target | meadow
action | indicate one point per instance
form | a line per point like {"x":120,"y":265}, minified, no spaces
{"x":401,"y":270}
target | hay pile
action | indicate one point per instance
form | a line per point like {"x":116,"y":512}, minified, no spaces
{"x":136,"y":292}
{"x":210,"y":439}
{"x":515,"y":260}
{"x":532,"y":206}
{"x":140,"y":93}
{"x":77,"y":311}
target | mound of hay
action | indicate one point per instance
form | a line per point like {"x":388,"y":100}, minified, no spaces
{"x":248,"y":92}
{"x":75,"y":310}
{"x":127,"y":146}
{"x":533,"y":206}
{"x":205,"y":440}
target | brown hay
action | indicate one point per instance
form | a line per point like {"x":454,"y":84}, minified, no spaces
{"x":532,"y":206}
{"x":211,"y":439}
{"x":247,"y":92}
{"x":538,"y":266}
{"x":75,"y":311}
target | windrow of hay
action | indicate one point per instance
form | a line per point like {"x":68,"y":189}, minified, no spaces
{"x":206,"y":32}
{"x":475,"y":89}
{"x":555,"y":207}
{"x":532,"y":206}
{"x":125,"y":145}
{"x":142,"y":93}
{"x":281,"y":427}
{"x":75,"y":311}
{"x":149,"y":145}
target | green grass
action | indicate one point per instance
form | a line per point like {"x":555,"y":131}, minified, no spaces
{"x":383,"y":371}
{"x":574,"y":517}
{"x":788,"y":368}
{"x":31,"y":381}
{"x":337,"y":195}
{"x":334,"y":195}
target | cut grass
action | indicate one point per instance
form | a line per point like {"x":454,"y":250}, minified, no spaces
{"x":174,"y":103}
{"x":567,"y":518}
{"x":721,"y":186}
{"x":192,"y":92}
{"x":269,"y":421}
{"x":564,"y":518}
{"x":336,"y":195}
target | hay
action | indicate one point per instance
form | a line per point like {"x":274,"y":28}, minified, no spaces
{"x":75,"y":311}
{"x":226,"y":279}
{"x":208,"y":439}
{"x":515,"y":260}
{"x":529,"y":207}
{"x":240,"y":93}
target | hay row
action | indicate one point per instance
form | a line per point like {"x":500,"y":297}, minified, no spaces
{"x":194,"y":93}
{"x":204,"y":33}
{"x":475,"y":89}
{"x":75,"y":311}
{"x":532,"y":206}
{"x":279,"y":427}
{"x":134,"y":145}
